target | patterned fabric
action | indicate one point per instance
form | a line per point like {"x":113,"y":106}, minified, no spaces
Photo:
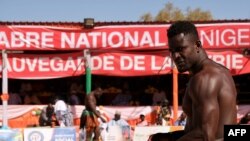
{"x":65,"y":117}
{"x":63,"y":114}
{"x":165,"y":113}
{"x":88,"y":120}
{"x":180,"y":123}
{"x":47,"y":116}
{"x":164,"y":116}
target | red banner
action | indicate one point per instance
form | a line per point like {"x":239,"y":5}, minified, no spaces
{"x":26,"y":66}
{"x":32,"y":37}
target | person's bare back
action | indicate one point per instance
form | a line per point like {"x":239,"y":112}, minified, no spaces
{"x":90,"y":101}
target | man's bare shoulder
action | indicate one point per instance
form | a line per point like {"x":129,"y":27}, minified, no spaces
{"x":211,"y":77}
{"x":214,"y":70}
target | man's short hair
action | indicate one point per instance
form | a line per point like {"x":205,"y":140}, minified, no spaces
{"x":185,"y":27}
{"x":142,"y":115}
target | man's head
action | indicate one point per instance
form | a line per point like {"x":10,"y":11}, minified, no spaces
{"x":117,"y":115}
{"x":50,"y":105}
{"x":165,"y":103}
{"x":49,"y":110}
{"x":142,"y":117}
{"x":184,"y":44}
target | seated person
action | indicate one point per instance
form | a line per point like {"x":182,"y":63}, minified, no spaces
{"x":164,"y":114}
{"x":142,"y":121}
{"x":47,"y":116}
{"x":63,"y":113}
{"x":181,"y":121}
{"x":117,"y":120}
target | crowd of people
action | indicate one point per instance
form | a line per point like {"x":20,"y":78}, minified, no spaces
{"x":56,"y":114}
{"x":117,"y":92}
{"x":38,"y":94}
{"x":95,"y":124}
{"x":74,"y":94}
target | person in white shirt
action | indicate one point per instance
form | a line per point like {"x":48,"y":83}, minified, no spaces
{"x":117,"y":120}
{"x":63,"y":114}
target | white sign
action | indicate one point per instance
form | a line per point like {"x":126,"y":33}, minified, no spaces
{"x":142,"y":133}
{"x":117,"y":133}
{"x":50,"y":134}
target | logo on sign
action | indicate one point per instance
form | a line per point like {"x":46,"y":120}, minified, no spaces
{"x":236,"y":132}
{"x":35,"y":136}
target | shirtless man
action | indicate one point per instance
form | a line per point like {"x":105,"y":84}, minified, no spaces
{"x":210,"y":97}
{"x":89,"y":117}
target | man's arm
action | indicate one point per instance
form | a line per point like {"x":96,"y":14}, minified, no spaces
{"x":205,"y":108}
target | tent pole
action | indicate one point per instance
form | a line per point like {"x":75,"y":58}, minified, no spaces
{"x":175,"y":92}
{"x":5,"y":95}
{"x":87,"y":57}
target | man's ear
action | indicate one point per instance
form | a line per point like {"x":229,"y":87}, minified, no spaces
{"x":198,"y":43}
